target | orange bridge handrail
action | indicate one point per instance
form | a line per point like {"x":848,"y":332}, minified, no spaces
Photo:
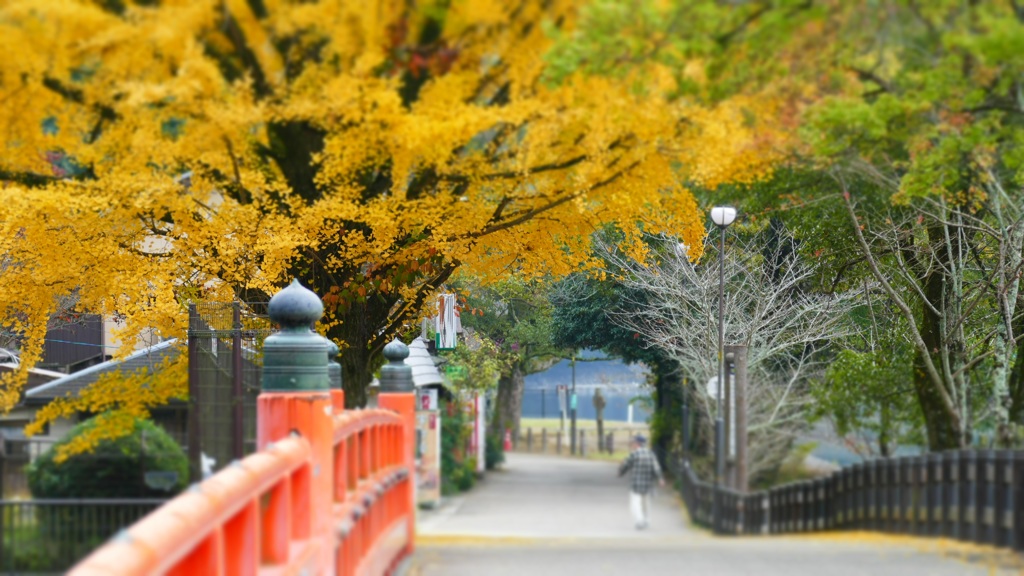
{"x":263,"y":514}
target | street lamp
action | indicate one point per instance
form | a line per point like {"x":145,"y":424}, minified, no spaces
{"x":722,"y":216}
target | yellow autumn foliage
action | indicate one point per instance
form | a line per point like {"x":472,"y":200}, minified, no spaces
{"x":162,"y":153}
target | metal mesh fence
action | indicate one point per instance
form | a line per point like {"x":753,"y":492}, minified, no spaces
{"x":225,"y":364}
{"x":50,"y":536}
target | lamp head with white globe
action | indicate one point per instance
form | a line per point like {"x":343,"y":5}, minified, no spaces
{"x":723,"y":216}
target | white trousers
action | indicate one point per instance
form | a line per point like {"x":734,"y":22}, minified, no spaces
{"x":638,"y":504}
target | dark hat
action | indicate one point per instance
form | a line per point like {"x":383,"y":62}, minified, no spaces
{"x":639,"y":439}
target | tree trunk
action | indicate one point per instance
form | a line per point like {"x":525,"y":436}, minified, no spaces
{"x":1016,"y":379}
{"x":509,"y":402}
{"x":943,"y":432}
{"x":355,"y":376}
{"x":885,"y":423}
{"x":361,"y":346}
{"x":668,"y":401}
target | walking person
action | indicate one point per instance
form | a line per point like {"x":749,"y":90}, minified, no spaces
{"x":644,"y":465}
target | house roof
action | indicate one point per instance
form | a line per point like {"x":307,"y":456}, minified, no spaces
{"x":424,"y":371}
{"x":36,"y":376}
{"x":72,"y":384}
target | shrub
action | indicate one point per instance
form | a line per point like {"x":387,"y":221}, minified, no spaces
{"x":458,"y":470}
{"x":495,"y":453}
{"x":147,"y":463}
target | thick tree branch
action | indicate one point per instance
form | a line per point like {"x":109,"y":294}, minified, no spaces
{"x":908,"y":314}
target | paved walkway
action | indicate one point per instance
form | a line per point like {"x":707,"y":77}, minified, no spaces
{"x":545,"y":515}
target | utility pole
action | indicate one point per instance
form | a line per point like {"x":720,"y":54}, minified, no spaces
{"x":572,"y":410}
{"x":737,"y":356}
{"x":722,"y":216}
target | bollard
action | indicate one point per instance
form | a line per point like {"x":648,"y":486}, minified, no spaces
{"x":296,"y":397}
{"x":398,"y":393}
{"x":583,"y":443}
{"x":544,"y":440}
{"x":558,"y":443}
{"x":529,"y":440}
{"x":611,"y":443}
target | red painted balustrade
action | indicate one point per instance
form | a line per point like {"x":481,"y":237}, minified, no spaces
{"x":328,"y":493}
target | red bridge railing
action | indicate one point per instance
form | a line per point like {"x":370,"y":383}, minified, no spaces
{"x":258,"y":515}
{"x":329,"y":492}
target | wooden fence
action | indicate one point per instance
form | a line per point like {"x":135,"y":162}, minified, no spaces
{"x":969,"y":495}
{"x":552,"y":441}
{"x":49,"y":536}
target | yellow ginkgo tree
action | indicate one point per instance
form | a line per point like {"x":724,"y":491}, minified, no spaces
{"x":163,"y":152}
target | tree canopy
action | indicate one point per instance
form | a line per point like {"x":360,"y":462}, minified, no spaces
{"x":161,"y":153}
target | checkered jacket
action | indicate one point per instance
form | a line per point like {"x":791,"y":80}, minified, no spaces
{"x":645,"y":469}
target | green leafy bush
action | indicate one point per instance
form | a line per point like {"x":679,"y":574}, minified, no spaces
{"x":495,"y":451}
{"x":147,"y":463}
{"x":458,"y":470}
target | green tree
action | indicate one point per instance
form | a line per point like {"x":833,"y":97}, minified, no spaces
{"x":146,"y":463}
{"x":913,"y":111}
{"x":580,"y":320}
{"x":515,"y":315}
{"x":867,"y":391}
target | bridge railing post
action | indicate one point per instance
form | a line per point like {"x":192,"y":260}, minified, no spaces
{"x":296,"y":398}
{"x":398,"y":393}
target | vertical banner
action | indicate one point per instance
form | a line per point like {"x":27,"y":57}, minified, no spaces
{"x":428,"y":458}
{"x":481,"y":434}
{"x":446,"y":322}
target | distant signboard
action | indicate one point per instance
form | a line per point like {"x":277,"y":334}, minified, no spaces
{"x":446,"y":322}
{"x":161,"y":480}
{"x":428,"y":458}
{"x":456,"y":371}
{"x":427,"y":399}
